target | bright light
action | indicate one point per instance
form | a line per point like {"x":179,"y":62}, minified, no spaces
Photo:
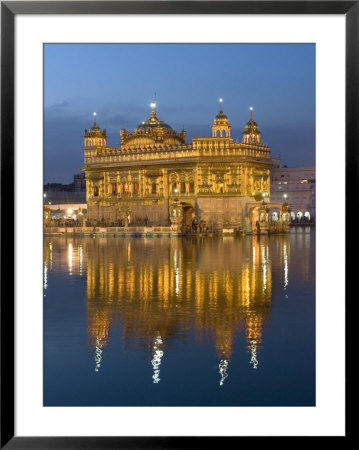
{"x":220,"y":100}
{"x":69,"y":211}
{"x":153,"y":105}
{"x":98,"y":354}
{"x":254,"y":360}
{"x":175,"y":190}
{"x":251,"y":108}
{"x":285,"y":196}
{"x":94,"y":114}
{"x":70,"y":258}
{"x":223,"y":365}
{"x":156,"y":361}
{"x":45,"y":195}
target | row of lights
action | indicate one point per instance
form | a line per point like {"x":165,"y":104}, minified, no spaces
{"x":264,"y":194}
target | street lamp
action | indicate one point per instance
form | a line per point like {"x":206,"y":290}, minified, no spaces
{"x":285,"y":209}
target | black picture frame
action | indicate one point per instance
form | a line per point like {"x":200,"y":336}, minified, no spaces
{"x":9,"y":9}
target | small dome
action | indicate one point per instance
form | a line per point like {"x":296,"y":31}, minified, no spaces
{"x":95,"y":130}
{"x":251,"y":133}
{"x":251,"y":123}
{"x":148,"y":125}
{"x":152,"y":123}
{"x":221,"y":115}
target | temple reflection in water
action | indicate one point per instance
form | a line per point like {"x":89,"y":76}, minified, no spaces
{"x":159,"y":288}
{"x":167,"y":286}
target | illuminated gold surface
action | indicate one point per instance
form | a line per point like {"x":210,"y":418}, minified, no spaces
{"x":161,"y":289}
{"x":212,"y":177}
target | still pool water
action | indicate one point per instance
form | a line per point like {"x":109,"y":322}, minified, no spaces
{"x":192,"y":321}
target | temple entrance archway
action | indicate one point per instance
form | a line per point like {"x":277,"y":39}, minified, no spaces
{"x":188,"y":214}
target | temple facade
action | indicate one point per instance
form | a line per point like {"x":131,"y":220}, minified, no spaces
{"x":156,"y":178}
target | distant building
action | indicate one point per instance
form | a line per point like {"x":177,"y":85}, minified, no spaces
{"x":66,"y":199}
{"x":297,"y":186}
{"x":80,"y":183}
{"x":58,"y":193}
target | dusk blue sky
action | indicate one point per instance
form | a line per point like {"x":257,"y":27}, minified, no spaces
{"x":119,"y":82}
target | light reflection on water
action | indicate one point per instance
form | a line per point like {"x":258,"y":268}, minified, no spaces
{"x":166,"y":291}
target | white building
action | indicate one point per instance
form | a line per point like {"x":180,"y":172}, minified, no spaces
{"x":296,"y":185}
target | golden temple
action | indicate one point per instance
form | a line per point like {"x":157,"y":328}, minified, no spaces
{"x":155,"y":178}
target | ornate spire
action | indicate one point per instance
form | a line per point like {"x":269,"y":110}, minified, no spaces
{"x":94,"y":136}
{"x":221,"y":127}
{"x":251,"y":134}
{"x":251,"y":110}
{"x":220,"y":105}
{"x":153,"y":112}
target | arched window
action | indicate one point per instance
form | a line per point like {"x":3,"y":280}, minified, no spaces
{"x":154,"y":188}
{"x":174,"y":188}
{"x":183,"y":187}
{"x":95,"y":191}
{"x":191,"y":186}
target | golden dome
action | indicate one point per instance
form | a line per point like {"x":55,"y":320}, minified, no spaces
{"x":152,"y":123}
{"x":151,"y":133}
{"x":251,"y":124}
{"x":221,"y":115}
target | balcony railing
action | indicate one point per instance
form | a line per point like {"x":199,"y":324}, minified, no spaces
{"x":176,"y":154}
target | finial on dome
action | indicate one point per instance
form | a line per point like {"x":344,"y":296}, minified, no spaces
{"x":251,"y":110}
{"x":94,"y":118}
{"x":220,"y":100}
{"x":153,"y":112}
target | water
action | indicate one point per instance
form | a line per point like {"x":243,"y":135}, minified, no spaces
{"x":167,"y":321}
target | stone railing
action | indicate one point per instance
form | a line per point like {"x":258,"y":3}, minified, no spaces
{"x":175,"y":154}
{"x":108,"y":230}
